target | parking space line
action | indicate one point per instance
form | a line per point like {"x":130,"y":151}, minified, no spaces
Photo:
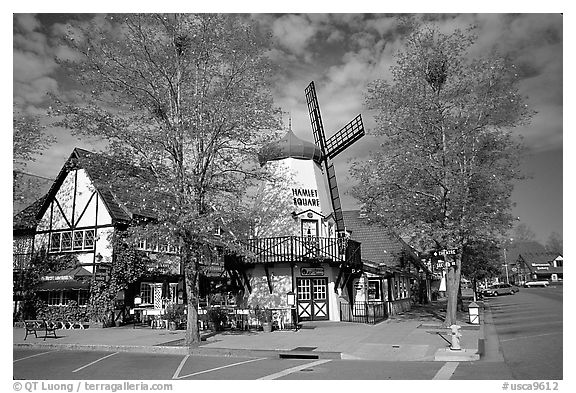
{"x":292,"y":370}
{"x":177,"y":372}
{"x":445,"y":373}
{"x":32,"y":356}
{"x":219,"y":368}
{"x":94,"y":362}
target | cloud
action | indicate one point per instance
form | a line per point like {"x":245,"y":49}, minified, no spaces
{"x":294,"y":33}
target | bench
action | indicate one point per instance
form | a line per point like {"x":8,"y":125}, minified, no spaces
{"x":35,"y":325}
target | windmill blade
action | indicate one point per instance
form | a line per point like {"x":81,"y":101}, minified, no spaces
{"x":335,"y":197}
{"x":315,"y":118}
{"x":349,"y":134}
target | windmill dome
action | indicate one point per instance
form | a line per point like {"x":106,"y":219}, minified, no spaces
{"x":290,"y":146}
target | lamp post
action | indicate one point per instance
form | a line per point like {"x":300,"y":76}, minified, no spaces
{"x":506,"y":266}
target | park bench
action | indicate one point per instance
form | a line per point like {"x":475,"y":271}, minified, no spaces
{"x":33,"y":326}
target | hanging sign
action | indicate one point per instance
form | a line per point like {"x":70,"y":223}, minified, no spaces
{"x":311,"y":271}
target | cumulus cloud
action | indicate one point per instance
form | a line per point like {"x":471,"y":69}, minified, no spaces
{"x":294,"y":33}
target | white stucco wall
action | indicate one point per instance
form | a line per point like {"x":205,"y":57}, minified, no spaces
{"x":281,"y":278}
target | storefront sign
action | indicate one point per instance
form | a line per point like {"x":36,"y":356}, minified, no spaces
{"x":311,"y":271}
{"x":57,"y":278}
{"x":305,"y":197}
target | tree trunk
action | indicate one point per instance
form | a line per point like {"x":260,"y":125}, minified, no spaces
{"x":475,"y":296}
{"x":452,"y":284}
{"x":460,"y":301}
{"x":192,"y":293}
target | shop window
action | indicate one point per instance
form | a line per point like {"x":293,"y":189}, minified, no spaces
{"x":83,"y":297}
{"x":89,"y":239}
{"x":374,"y":293}
{"x":66,"y":241}
{"x":147,"y":293}
{"x":55,"y":242}
{"x":54,"y":298}
{"x":78,"y":240}
{"x":67,"y":296}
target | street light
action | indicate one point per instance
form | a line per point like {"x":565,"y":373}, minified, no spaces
{"x":506,"y":266}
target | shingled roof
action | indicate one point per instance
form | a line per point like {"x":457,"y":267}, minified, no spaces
{"x":27,"y":188}
{"x":379,"y":246}
{"x":114,"y":180}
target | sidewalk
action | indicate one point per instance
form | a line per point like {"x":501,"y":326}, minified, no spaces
{"x":411,"y":336}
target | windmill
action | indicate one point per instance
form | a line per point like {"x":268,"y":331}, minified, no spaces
{"x":330,"y":148}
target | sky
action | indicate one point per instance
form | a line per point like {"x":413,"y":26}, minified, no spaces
{"x":342,"y":53}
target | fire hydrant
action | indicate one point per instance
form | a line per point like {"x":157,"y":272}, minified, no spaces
{"x":455,"y":346}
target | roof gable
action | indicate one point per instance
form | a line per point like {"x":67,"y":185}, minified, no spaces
{"x":378,"y":244}
{"x":114,"y":181}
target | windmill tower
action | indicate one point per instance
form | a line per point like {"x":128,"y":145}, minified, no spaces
{"x":330,"y":148}
{"x":308,"y":258}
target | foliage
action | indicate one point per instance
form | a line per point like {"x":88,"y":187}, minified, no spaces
{"x":264,"y":315}
{"x":175,"y":313}
{"x":71,"y":312}
{"x":217,"y":316}
{"x":187,"y":98}
{"x":40,"y":265}
{"x":555,"y":243}
{"x":28,"y":137}
{"x":443,"y":175}
{"x":523,"y":233}
{"x":481,"y":259}
{"x":127,"y":266}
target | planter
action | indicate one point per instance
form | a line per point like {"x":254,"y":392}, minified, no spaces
{"x":267,"y":327}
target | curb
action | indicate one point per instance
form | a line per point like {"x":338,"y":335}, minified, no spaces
{"x":253,"y":353}
{"x":482,"y":333}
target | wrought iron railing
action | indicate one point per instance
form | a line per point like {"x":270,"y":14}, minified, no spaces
{"x":301,"y":249}
{"x":363,"y":312}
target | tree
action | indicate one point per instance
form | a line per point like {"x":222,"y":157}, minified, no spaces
{"x":555,"y":243}
{"x":480,"y":260}
{"x":443,"y":175}
{"x":28,"y":138}
{"x":186,"y":98}
{"x":523,"y":233}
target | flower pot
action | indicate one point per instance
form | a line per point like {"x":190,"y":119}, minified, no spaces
{"x":267,"y":327}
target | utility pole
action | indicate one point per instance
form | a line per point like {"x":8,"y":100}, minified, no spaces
{"x":506,"y":266}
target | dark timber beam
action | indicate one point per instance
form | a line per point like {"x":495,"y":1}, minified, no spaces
{"x":268,"y":277}
{"x":340,"y":273}
{"x":246,"y":281}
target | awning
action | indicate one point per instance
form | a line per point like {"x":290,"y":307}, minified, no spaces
{"x":73,"y":278}
{"x":63,"y":285}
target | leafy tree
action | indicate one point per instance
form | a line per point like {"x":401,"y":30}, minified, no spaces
{"x":29,"y":137}
{"x":185,"y":97}
{"x":555,"y":243}
{"x":523,"y":233}
{"x":481,"y":260}
{"x":443,"y":175}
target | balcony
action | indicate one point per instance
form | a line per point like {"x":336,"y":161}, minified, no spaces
{"x":291,"y":249}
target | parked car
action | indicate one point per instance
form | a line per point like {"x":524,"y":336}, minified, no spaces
{"x":499,"y":289}
{"x":541,"y":283}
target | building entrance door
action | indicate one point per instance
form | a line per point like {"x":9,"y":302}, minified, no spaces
{"x":312,"y":299}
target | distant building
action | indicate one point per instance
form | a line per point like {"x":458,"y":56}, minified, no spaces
{"x":530,"y":260}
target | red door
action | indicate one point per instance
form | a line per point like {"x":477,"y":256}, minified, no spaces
{"x":312,"y":299}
